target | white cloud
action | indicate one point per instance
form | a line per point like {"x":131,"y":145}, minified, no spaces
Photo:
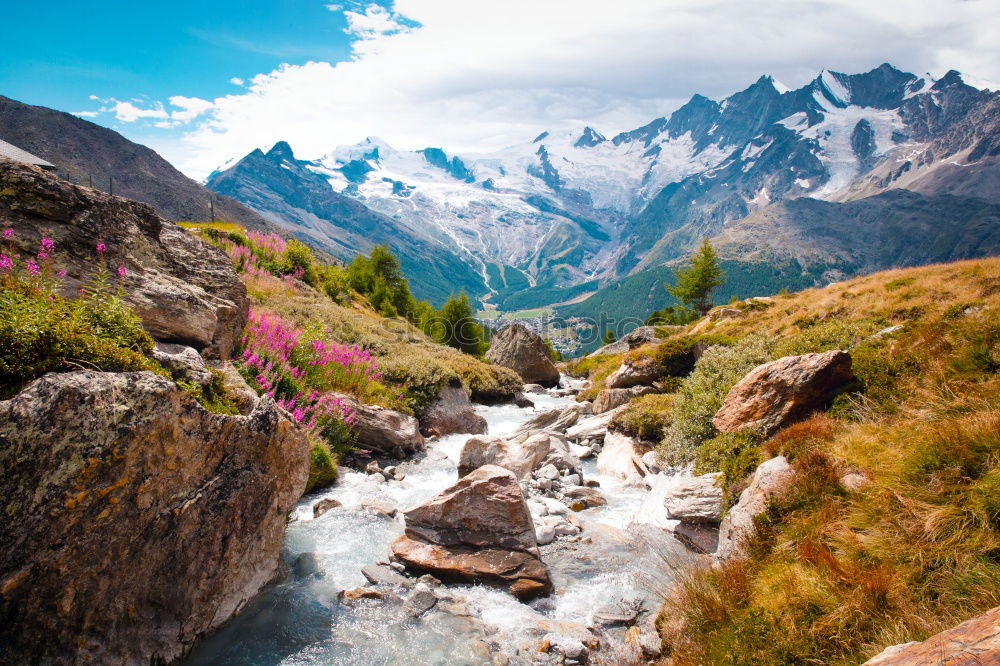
{"x":236,"y":81}
{"x":87,"y":114}
{"x":473,"y":75}
{"x":127,"y":112}
{"x":190,"y":107}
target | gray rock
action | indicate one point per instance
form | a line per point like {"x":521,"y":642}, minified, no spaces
{"x":769,"y":480}
{"x":184,"y":363}
{"x":324,"y":505}
{"x":694,"y":499}
{"x":610,"y":398}
{"x":636,"y":338}
{"x":419,"y":601}
{"x":549,"y":472}
{"x":520,"y":458}
{"x":385,"y":576}
{"x":621,"y":457}
{"x":306,"y":564}
{"x":517,"y":348}
{"x":451,"y":412}
{"x":384,"y":431}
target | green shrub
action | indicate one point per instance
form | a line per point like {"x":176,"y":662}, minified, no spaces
{"x":644,"y":418}
{"x":702,"y":392}
{"x":893,"y":285}
{"x":322,"y":465}
{"x":735,"y":455}
{"x":298,"y":259}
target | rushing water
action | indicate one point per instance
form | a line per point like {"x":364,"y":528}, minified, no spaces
{"x":300,"y":621}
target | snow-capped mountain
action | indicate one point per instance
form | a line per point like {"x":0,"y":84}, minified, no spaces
{"x":551,"y":218}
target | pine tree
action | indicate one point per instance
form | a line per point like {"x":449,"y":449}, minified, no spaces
{"x":456,"y":326}
{"x":693,"y":286}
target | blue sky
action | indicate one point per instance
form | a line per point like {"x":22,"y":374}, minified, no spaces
{"x":206,"y":82}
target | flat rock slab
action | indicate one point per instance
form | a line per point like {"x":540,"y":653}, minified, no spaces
{"x":973,"y":643}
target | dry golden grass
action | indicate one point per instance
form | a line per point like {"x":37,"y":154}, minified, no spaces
{"x":835,"y":574}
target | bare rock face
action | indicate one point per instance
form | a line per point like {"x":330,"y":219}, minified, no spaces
{"x":451,"y":412}
{"x":478,"y":530}
{"x":525,"y":353}
{"x":384,"y":431}
{"x":137,"y":520}
{"x":621,"y":456}
{"x":636,"y":338}
{"x":974,"y":642}
{"x":182,"y":362}
{"x":769,"y":480}
{"x":184,"y":290}
{"x":608,"y":399}
{"x":775,"y":394}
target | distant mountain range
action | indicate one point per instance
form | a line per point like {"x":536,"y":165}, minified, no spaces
{"x":848,"y":174}
{"x":86,"y":153}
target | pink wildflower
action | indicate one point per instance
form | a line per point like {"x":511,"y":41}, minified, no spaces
{"x":6,"y":263}
{"x":48,"y":244}
{"x":101,"y":247}
{"x":8,"y":234}
{"x":121,"y":271}
{"x":61,"y":273}
{"x":32,"y":267}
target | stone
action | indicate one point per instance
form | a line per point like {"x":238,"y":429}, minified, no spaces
{"x":571,"y":480}
{"x":610,"y":398}
{"x":621,"y":457}
{"x":183,"y":363}
{"x":359,"y":593}
{"x":651,"y":460}
{"x":698,"y":538}
{"x":545,"y":534}
{"x":419,"y":601}
{"x":769,"y":479}
{"x":971,"y":643}
{"x":533,"y":388}
{"x":554,"y":507}
{"x":130,"y":495}
{"x":622,"y":612}
{"x":373,"y":468}
{"x":593,"y":427}
{"x":634,"y":372}
{"x":694,"y":499}
{"x":581,"y":452}
{"x":306,"y":564}
{"x":381,"y":575}
{"x":324,"y":505}
{"x":183,"y":289}
{"x":589,"y":496}
{"x":384,"y":431}
{"x":549,"y":472}
{"x":449,"y":413}
{"x":243,"y":397}
{"x":636,"y":338}
{"x":724,"y":312}
{"x":854,"y":481}
{"x":383,"y":509}
{"x":775,"y":394}
{"x":524,"y":352}
{"x":520,"y":458}
{"x":478,"y":530}
{"x":554,"y":420}
{"x":523,"y":402}
{"x":557,"y":453}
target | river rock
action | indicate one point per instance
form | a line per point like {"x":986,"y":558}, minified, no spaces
{"x":593,"y":427}
{"x":697,"y":537}
{"x":621,"y":457}
{"x":384,"y":431}
{"x":533,"y":388}
{"x":521,"y":458}
{"x":517,"y":348}
{"x":694,"y":499}
{"x":974,"y":642}
{"x":523,"y":401}
{"x":591,"y":497}
{"x":608,"y":399}
{"x":769,"y":480}
{"x":183,"y":289}
{"x":774,"y":394}
{"x":377,"y":574}
{"x":554,"y":420}
{"x":324,"y":505}
{"x":478,"y":530}
{"x":451,"y":412}
{"x":136,"y":509}
{"x":557,"y":453}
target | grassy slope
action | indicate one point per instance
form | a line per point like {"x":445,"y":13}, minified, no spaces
{"x":836,"y":574}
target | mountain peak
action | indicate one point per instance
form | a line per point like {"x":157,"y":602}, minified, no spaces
{"x":282,"y":151}
{"x":589,"y":138}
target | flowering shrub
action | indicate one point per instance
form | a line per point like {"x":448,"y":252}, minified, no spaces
{"x":41,"y":331}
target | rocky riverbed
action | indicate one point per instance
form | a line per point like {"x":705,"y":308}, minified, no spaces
{"x":347,"y":603}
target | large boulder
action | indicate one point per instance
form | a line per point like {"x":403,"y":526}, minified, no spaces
{"x":608,"y":399}
{"x":775,"y":394}
{"x":621,"y":457}
{"x":634,"y":372}
{"x":770,"y":479}
{"x":974,"y":642}
{"x":137,"y":521}
{"x":184,"y":290}
{"x":451,"y":412}
{"x":517,"y":348}
{"x":521,"y":458}
{"x":384,"y":431}
{"x":554,"y":420}
{"x":477,"y":531}
{"x":631,"y":340}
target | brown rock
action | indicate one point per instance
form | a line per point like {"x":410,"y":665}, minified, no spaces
{"x":324,"y":505}
{"x":359,"y":593}
{"x":384,"y":431}
{"x":608,"y":399}
{"x":183,"y":289}
{"x":451,"y":412}
{"x":143,"y":520}
{"x":478,"y":530}
{"x":775,"y":394}
{"x":634,"y":372}
{"x":519,"y":458}
{"x":517,"y":348}
{"x":973,"y":643}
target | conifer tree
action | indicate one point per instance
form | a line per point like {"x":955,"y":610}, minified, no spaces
{"x":693,"y":286}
